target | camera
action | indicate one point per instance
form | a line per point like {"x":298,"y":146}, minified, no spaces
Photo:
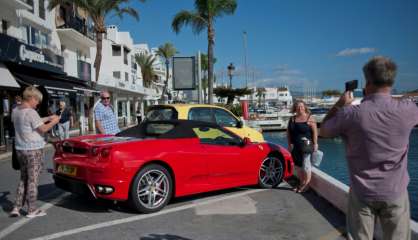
{"x":351,"y":85}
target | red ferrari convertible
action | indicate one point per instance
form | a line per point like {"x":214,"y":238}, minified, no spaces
{"x":150,"y":163}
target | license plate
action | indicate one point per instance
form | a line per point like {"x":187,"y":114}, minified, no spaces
{"x":68,"y":170}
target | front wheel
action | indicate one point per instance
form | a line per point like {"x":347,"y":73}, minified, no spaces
{"x":271,"y":172}
{"x":152,"y":189}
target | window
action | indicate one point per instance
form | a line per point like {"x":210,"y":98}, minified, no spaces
{"x":153,"y":129}
{"x":210,"y":135}
{"x":116,"y":75}
{"x":225,"y":119}
{"x":30,"y":3}
{"x":157,"y":114}
{"x":116,"y":50}
{"x":44,"y":40}
{"x":35,"y":37}
{"x":125,"y":55}
{"x":201,"y":114}
{"x":126,"y":77}
{"x":4,"y":26}
{"x":42,"y":9}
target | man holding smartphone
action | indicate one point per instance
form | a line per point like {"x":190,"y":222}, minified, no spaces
{"x":66,"y":121}
{"x":376,"y":133}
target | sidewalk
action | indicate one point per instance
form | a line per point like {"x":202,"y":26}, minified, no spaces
{"x":7,"y":155}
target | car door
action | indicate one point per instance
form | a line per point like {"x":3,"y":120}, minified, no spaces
{"x":226,"y":158}
{"x":229,"y":121}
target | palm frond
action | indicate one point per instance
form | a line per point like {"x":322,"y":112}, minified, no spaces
{"x":184,"y":18}
{"x":127,"y":10}
{"x":222,"y":7}
{"x":167,"y":50}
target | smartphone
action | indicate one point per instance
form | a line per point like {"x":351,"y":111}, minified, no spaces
{"x":351,"y":85}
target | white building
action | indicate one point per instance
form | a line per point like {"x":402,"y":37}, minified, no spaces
{"x":158,"y":67}
{"x":120,"y":74}
{"x":271,"y":97}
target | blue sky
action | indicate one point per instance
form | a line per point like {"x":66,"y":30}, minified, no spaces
{"x":300,"y":43}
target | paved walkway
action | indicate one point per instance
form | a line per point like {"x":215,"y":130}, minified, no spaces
{"x":242,"y":213}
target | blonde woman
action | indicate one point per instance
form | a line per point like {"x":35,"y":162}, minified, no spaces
{"x":29,"y":127}
{"x":302,"y":130}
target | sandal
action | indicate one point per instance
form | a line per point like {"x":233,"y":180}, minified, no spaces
{"x":14,"y":213}
{"x":37,"y":213}
{"x":304,"y":189}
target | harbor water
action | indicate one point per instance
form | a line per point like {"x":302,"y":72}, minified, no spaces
{"x":334,"y":162}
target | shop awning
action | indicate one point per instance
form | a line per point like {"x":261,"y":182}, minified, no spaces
{"x":47,"y":82}
{"x":6,"y":78}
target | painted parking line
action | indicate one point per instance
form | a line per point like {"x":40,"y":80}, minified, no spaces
{"x":25,"y":220}
{"x":143,"y":216}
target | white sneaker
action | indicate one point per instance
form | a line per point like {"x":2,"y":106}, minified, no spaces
{"x":37,"y":213}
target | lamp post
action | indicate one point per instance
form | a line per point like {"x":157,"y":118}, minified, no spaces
{"x":231,"y":68}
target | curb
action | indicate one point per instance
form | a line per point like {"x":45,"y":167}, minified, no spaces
{"x":336,"y":193}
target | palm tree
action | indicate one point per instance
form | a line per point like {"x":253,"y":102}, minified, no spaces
{"x":204,"y":66}
{"x":206,"y":11}
{"x":166,"y":51}
{"x":261,"y":93}
{"x":146,"y":63}
{"x":98,"y":10}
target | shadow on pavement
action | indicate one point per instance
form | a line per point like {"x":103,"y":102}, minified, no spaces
{"x":5,"y":203}
{"x":333,"y":215}
{"x":88,"y":204}
{"x":163,"y":237}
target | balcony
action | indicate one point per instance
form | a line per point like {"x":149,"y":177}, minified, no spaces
{"x":76,"y":30}
{"x":20,"y":4}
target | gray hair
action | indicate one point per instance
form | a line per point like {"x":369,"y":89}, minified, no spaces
{"x":380,"y":71}
{"x":32,"y":92}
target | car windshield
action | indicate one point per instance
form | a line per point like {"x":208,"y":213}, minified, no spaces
{"x":161,"y":114}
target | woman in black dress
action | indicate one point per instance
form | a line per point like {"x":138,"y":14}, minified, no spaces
{"x":302,"y":127}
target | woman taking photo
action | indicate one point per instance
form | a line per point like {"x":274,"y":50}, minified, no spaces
{"x":302,"y":137}
{"x":29,"y":144}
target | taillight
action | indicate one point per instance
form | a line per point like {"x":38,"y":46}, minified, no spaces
{"x":102,"y":153}
{"x":58,"y":148}
{"x":95,"y":151}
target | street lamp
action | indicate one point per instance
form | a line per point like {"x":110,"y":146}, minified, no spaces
{"x":231,"y":68}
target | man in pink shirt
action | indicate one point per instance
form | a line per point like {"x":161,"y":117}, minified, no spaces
{"x":376,"y":135}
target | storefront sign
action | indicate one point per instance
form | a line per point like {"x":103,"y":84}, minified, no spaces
{"x":12,"y":50}
{"x":30,"y":55}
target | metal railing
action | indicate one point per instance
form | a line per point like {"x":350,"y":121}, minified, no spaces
{"x":80,"y":26}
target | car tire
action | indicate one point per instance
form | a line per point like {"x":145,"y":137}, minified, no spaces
{"x":151,"y":189}
{"x":271,"y":172}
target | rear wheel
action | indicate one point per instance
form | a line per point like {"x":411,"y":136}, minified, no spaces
{"x":152,"y":189}
{"x":271,"y":172}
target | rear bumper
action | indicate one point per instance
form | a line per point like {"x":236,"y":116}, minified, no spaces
{"x":72,"y":185}
{"x":83,"y":187}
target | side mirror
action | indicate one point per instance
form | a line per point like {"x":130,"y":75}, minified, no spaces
{"x":240,"y":124}
{"x":246,"y":141}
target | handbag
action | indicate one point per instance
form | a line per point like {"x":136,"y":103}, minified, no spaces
{"x":307,"y":145}
{"x":316,"y":158}
{"x":15,"y":161}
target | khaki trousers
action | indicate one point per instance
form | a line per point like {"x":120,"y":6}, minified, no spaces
{"x":394,"y":218}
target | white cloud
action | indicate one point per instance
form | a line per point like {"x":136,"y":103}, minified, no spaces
{"x":283,"y":75}
{"x":355,"y":51}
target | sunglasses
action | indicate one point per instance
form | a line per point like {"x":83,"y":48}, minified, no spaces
{"x":105,"y":98}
